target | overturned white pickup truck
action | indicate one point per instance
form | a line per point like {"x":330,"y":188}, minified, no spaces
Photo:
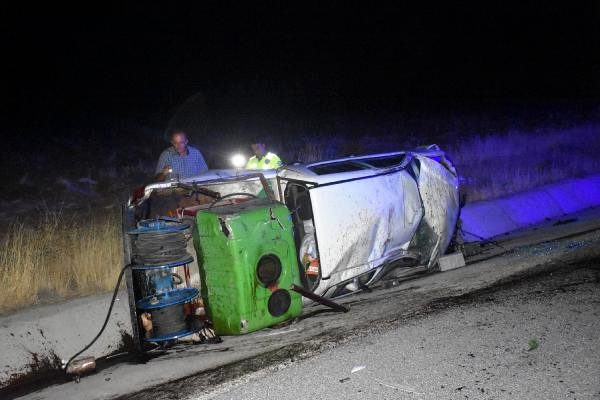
{"x":353,"y":219}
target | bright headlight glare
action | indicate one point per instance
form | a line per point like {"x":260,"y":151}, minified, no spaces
{"x":238,"y":160}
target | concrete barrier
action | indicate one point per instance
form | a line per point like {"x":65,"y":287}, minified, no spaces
{"x":38,"y":338}
{"x":575,"y":195}
{"x":495,"y":217}
{"x":485,"y":219}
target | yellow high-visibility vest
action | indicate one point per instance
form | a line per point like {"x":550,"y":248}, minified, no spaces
{"x":269,"y":161}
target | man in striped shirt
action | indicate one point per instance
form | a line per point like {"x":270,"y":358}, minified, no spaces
{"x":180,"y":161}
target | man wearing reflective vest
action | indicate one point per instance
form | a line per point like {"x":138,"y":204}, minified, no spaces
{"x":262,"y":158}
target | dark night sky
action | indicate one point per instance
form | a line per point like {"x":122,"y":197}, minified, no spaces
{"x":145,"y":62}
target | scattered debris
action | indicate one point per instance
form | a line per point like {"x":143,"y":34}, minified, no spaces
{"x":565,"y":221}
{"x":533,"y":344}
{"x":280,"y":332}
{"x":451,"y":261}
{"x":42,"y":370}
{"x":356,"y":369}
{"x":81,"y":366}
{"x":402,"y":388}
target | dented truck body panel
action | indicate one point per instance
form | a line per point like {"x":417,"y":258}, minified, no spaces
{"x":438,"y":188}
{"x":358,"y":223}
{"x":223,"y":181}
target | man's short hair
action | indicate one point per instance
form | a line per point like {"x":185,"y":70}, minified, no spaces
{"x":177,"y":132}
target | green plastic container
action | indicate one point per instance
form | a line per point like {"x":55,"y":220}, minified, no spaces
{"x":247,"y":261}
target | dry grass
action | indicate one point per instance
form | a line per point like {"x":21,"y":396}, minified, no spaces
{"x":57,"y":258}
{"x":500,"y":164}
{"x":491,"y":164}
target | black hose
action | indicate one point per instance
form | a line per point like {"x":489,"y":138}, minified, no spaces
{"x":112,"y":303}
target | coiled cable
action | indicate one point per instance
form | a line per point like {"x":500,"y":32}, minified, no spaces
{"x":168,"y":320}
{"x":159,"y":248}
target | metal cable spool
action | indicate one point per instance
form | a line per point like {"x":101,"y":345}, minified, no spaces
{"x":168,"y":313}
{"x":160,"y":242}
{"x":168,"y":320}
{"x":158,"y":246}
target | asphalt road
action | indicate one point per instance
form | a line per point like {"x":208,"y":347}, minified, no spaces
{"x":538,"y":338}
